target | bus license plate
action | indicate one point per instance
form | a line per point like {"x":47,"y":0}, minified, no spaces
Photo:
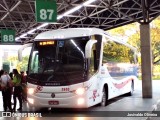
{"x":53,"y":102}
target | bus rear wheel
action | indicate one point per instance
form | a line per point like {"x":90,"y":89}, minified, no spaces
{"x":104,"y":99}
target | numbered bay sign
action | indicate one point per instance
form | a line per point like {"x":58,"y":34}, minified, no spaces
{"x":7,"y":36}
{"x":46,"y":11}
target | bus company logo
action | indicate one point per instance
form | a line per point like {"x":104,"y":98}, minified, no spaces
{"x":53,"y":95}
{"x":11,"y":114}
{"x":94,"y":95}
{"x":6,"y":114}
{"x":39,"y":88}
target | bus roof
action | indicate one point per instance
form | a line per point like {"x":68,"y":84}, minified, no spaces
{"x":76,"y":32}
{"x":68,"y":33}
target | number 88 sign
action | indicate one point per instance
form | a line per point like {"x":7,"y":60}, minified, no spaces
{"x":7,"y":36}
{"x":46,"y":11}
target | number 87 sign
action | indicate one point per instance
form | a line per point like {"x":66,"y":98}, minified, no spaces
{"x":46,"y":11}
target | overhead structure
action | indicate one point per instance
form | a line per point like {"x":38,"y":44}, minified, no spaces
{"x":19,"y":15}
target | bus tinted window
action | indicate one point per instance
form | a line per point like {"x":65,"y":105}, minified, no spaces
{"x":58,"y":61}
{"x":115,"y":52}
{"x":119,"y":60}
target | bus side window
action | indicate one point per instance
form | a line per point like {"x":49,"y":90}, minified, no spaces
{"x":95,"y":55}
{"x":119,"y":59}
{"x":93,"y":61}
{"x":34,"y":66}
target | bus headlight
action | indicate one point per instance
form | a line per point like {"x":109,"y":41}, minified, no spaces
{"x":80,"y":101}
{"x":80,"y":91}
{"x":30,"y":91}
{"x":30,"y":100}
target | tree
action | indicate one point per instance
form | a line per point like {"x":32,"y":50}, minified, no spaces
{"x":155,"y":37}
{"x":132,"y":32}
{"x":19,"y":65}
{"x":22,"y":66}
{"x":116,"y":52}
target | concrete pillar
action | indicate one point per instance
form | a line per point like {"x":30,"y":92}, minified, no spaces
{"x":146,"y":60}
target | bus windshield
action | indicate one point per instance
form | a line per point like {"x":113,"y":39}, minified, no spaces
{"x":58,"y":62}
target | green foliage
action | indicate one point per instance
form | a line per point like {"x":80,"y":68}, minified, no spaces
{"x":117,"y":53}
{"x":133,"y":34}
{"x":20,"y":66}
{"x":155,"y":37}
{"x":124,"y":31}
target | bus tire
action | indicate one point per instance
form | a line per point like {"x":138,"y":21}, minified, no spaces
{"x":132,"y":89}
{"x":104,"y":98}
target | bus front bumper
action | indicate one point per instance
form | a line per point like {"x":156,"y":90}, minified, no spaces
{"x":68,"y":102}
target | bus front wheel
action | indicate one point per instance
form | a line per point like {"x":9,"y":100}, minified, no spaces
{"x":104,"y":98}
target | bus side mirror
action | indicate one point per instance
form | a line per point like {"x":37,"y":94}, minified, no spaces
{"x":21,"y":49}
{"x":88,"y":48}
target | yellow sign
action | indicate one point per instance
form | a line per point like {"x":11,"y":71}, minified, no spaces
{"x":46,"y":43}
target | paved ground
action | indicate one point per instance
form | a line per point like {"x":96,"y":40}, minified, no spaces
{"x":119,"y":106}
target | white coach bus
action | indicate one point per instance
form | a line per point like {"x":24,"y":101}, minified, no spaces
{"x":78,"y":68}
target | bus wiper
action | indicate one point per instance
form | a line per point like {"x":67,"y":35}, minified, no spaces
{"x":60,"y":70}
{"x":47,"y":62}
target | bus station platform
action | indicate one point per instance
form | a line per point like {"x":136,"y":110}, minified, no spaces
{"x":130,"y":104}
